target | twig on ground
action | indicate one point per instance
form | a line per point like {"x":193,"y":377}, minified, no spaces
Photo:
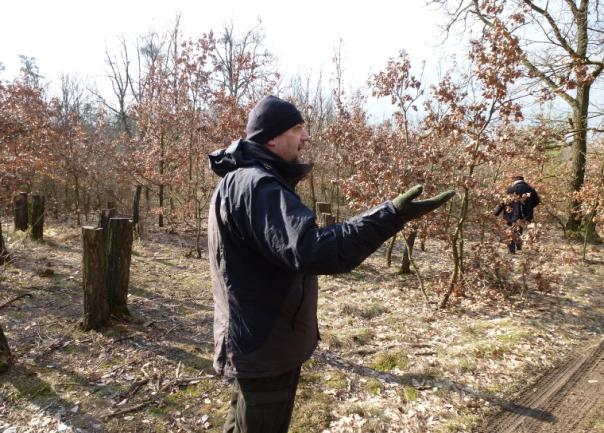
{"x":134,"y":388}
{"x":130,"y":409}
{"x":155,"y":399}
{"x":24,"y":295}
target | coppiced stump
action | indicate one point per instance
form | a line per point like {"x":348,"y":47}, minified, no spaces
{"x":118,"y":265}
{"x":6,"y":359}
{"x":20,"y":206}
{"x":94,"y":279}
{"x":37,"y":217}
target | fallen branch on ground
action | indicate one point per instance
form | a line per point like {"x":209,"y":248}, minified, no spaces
{"x":7,"y":303}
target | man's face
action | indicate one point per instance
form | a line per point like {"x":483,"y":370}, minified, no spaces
{"x":289,"y":145}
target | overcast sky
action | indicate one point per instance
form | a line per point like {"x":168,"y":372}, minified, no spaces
{"x":70,"y":36}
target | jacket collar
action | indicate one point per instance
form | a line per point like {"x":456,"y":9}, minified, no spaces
{"x":246,"y":153}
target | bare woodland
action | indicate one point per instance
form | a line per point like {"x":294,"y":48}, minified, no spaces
{"x":438,"y":331}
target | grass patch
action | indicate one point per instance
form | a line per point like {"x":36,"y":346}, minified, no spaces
{"x":386,"y":361}
{"x":366,"y":311}
{"x":376,"y":419}
{"x":408,"y":393}
{"x":361,"y":335}
{"x":461,"y":423}
{"x":513,"y":338}
{"x":312,"y":412}
{"x":331,"y":340}
{"x":336,"y":380}
{"x":308,"y":378}
{"x":374,"y":386}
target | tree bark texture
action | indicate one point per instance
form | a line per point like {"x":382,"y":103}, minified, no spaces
{"x":390,"y":249}
{"x":20,"y":205}
{"x":323,"y":207}
{"x":94,"y":279}
{"x":327,"y":219}
{"x":37,"y":217}
{"x":118,"y":265}
{"x":580,"y":116}
{"x":407,"y":253}
{"x":136,"y":208}
{"x":4,"y":256}
{"x":6,"y":359}
{"x":111,"y":209}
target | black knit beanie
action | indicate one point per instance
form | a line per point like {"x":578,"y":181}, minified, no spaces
{"x":271,"y":117}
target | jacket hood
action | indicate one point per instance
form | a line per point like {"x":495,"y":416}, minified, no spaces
{"x":247,"y":153}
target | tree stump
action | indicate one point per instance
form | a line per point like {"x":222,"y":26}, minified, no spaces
{"x":322,"y":207}
{"x":21,"y":220}
{"x":94,"y":279}
{"x":6,"y":359}
{"x":327,"y":219}
{"x":4,"y":256}
{"x":37,"y":217}
{"x":118,"y":265}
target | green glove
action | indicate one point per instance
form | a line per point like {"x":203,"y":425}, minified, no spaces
{"x":409,"y":209}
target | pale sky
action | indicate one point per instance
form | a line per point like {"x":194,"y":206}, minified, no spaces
{"x":70,"y":36}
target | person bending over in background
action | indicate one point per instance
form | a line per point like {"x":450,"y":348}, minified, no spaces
{"x":266,"y":251}
{"x":517,"y":210}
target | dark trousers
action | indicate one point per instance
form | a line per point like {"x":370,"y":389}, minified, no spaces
{"x":515,"y":236}
{"x":262,"y":405}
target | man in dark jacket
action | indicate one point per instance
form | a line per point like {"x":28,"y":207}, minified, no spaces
{"x":517,"y":209}
{"x":266,"y":251}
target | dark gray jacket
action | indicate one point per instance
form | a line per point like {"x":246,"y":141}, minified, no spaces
{"x":522,"y":201}
{"x":265,"y":253}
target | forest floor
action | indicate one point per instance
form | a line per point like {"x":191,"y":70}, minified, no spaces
{"x":388,"y":360}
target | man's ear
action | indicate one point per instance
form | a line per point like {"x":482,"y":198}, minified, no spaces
{"x":270,"y":143}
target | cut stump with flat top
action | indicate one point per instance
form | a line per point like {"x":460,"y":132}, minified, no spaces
{"x":94,"y":279}
{"x":21,"y":211}
{"x":37,"y":217}
{"x":118,"y":265}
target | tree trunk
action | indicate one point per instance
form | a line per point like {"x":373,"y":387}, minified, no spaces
{"x":457,"y":249}
{"x":37,"y":217}
{"x":580,"y":117}
{"x":313,"y":194}
{"x":327,"y":219}
{"x":136,"y":209}
{"x":94,"y":279}
{"x":111,"y":209}
{"x":407,"y":253}
{"x":4,"y":256}
{"x":390,"y":249}
{"x":21,"y":214}
{"x":86,"y":206}
{"x":160,"y":221}
{"x":322,"y":207}
{"x":118,"y":265}
{"x":77,"y":201}
{"x":6,"y":358}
